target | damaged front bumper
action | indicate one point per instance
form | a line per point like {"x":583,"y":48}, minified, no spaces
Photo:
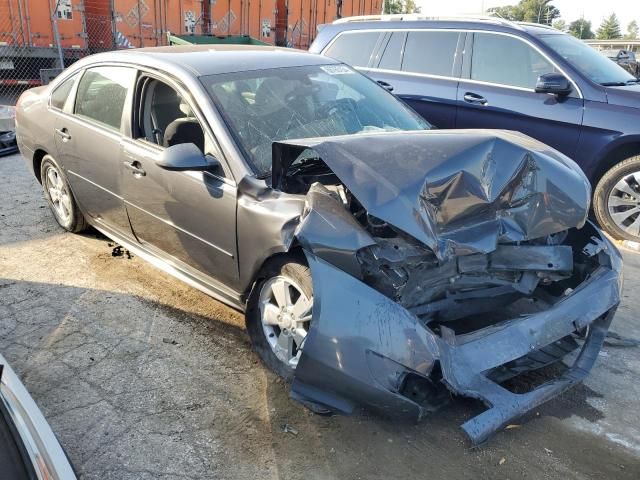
{"x":363,"y":348}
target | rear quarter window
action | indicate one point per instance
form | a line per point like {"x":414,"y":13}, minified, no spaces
{"x":353,"y":48}
{"x":62,"y":91}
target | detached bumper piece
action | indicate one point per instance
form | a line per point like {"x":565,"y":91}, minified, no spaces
{"x":363,"y":348}
{"x":8,"y":142}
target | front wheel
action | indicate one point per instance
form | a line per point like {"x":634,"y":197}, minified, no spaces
{"x":59,"y":196}
{"x":279,"y":314}
{"x":616,"y":200}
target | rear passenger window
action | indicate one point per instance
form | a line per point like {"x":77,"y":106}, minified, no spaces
{"x":354,"y":48}
{"x":433,"y":53}
{"x":392,"y":55}
{"x":101,"y":94}
{"x":61,"y":93}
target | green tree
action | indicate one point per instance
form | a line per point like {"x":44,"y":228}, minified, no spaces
{"x":581,"y":28}
{"x":392,"y":6}
{"x":411,"y":7}
{"x":534,"y":11}
{"x":560,"y":25}
{"x":610,"y":28}
{"x":400,"y":6}
{"x":633,"y":32}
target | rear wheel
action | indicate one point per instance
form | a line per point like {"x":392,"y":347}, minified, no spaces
{"x":616,"y":200}
{"x":59,"y":196}
{"x":279,"y":314}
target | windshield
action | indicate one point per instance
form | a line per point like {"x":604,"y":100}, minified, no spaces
{"x":264,"y":106}
{"x":587,"y":60}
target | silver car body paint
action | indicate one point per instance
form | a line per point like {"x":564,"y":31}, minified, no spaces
{"x":45,"y":453}
{"x":478,"y":218}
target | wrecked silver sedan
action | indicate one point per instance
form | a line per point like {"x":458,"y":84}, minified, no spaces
{"x":379,"y":263}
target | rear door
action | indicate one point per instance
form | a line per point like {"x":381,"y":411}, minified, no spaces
{"x":89,"y":142}
{"x":422,"y":68}
{"x":188,"y":217}
{"x":497,"y":91}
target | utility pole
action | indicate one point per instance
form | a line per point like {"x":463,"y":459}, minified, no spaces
{"x":56,"y":35}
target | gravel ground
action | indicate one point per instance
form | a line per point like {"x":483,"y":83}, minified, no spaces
{"x":143,"y":377}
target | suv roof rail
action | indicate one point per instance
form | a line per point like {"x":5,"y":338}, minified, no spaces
{"x":397,"y":17}
{"x":541,"y":25}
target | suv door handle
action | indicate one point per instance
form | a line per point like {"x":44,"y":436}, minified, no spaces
{"x":474,"y":98}
{"x":135,"y":168}
{"x":387,"y":86}
{"x":64,"y":134}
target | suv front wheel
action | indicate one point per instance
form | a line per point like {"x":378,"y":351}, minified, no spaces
{"x":616,"y":200}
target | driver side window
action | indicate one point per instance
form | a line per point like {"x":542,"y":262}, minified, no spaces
{"x":165,"y":118}
{"x":505,"y":60}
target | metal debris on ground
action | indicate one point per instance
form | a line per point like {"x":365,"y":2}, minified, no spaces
{"x":286,"y":428}
{"x":120,"y":251}
{"x":614,"y":339}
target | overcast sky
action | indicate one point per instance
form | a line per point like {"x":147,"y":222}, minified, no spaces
{"x":594,"y":10}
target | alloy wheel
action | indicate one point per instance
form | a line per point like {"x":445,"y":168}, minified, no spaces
{"x":623,"y":204}
{"x":285,"y":313}
{"x":58,"y":194}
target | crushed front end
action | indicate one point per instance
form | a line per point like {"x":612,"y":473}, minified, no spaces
{"x":446,"y":262}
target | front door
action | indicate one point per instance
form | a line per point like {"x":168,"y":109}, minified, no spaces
{"x":188,"y":216}
{"x":498,"y":92}
{"x":89,"y":143}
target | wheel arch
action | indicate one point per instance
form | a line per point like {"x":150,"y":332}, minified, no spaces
{"x":626,"y":147}
{"x":294,"y":251}
{"x":38,"y":155}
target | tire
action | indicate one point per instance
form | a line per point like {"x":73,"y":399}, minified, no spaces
{"x":60,"y":198}
{"x":267,"y":339}
{"x":610,"y":202}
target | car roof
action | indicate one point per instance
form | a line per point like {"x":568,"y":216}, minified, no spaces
{"x":200,"y":60}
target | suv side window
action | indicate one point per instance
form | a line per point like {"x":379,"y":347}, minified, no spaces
{"x":165,"y":118}
{"x":62,"y":91}
{"x":506,"y":60}
{"x":431,"y":52}
{"x":392,"y":55}
{"x":354,"y":48}
{"x":101,"y":94}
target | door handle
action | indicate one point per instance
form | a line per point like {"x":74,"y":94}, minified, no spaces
{"x":64,"y":134}
{"x":387,"y":86}
{"x":135,"y":168}
{"x":474,"y":98}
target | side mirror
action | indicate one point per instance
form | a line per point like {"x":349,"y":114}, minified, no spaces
{"x":554,"y":83}
{"x":187,"y":157}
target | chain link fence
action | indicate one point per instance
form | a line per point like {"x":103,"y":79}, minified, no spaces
{"x":39,"y":38}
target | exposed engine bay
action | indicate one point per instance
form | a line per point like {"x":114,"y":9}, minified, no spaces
{"x":408,"y":272}
{"x":467,"y":258}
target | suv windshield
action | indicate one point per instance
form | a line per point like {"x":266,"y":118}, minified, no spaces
{"x":587,"y":60}
{"x":264,"y":106}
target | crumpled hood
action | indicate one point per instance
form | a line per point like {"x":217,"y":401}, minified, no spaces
{"x":628,"y":96}
{"x":459,"y":192}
